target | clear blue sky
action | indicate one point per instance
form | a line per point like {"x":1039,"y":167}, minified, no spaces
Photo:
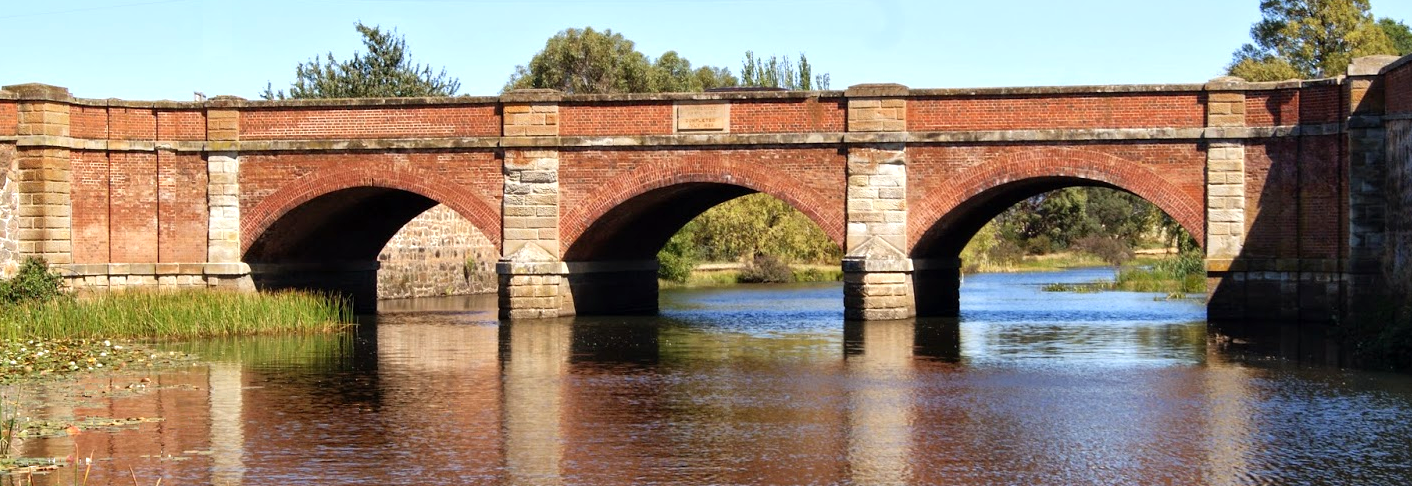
{"x":151,"y":49}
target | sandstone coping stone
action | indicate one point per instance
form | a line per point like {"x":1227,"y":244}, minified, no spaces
{"x":1370,"y":65}
{"x":876,"y":90}
{"x":39,"y":92}
{"x":536,"y":95}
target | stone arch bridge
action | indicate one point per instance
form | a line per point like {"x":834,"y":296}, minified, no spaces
{"x":1295,"y":189}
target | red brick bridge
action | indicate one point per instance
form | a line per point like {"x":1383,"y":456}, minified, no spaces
{"x":1292,"y":187}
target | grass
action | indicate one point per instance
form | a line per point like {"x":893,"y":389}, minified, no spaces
{"x":173,"y":315}
{"x":731,"y":276}
{"x":1176,"y":275}
{"x":1039,"y":263}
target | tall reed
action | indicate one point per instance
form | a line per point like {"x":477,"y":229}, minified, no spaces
{"x":176,"y":314}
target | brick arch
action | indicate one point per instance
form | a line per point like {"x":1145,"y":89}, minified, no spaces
{"x":648,"y":179}
{"x":328,"y":180}
{"x":1044,"y":169}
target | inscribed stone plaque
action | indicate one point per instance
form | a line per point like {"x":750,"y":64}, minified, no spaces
{"x":714,"y":117}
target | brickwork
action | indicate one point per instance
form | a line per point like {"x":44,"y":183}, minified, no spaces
{"x":943,"y":178}
{"x":272,"y":183}
{"x":1272,"y":108}
{"x":1047,"y":111}
{"x":788,"y":116}
{"x":1287,"y":185}
{"x":615,"y":119}
{"x":9,"y":114}
{"x":385,"y":122}
{"x":596,"y":181}
{"x":1397,"y":259}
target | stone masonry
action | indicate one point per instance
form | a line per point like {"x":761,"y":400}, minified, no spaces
{"x":877,"y":270}
{"x":44,"y":183}
{"x":437,"y":253}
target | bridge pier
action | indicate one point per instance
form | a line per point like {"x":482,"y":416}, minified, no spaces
{"x":937,"y":283}
{"x":611,"y":288}
{"x":877,"y":273}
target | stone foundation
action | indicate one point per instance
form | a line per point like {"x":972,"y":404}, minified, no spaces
{"x":437,"y":253}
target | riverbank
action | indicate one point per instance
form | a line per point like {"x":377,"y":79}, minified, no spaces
{"x":723,"y":274}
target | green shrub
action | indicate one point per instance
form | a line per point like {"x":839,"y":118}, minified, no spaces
{"x":674,"y":267}
{"x":766,"y":269}
{"x":34,"y":282}
{"x":1113,"y":251}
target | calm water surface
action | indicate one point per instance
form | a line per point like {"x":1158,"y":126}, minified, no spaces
{"x":749,"y":385}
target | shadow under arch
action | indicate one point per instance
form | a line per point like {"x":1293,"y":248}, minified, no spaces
{"x":324,"y":232}
{"x":612,"y":259}
{"x":961,"y":212}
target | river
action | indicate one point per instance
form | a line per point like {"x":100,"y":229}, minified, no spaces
{"x":746,"y":385}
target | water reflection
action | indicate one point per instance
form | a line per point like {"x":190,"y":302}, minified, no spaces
{"x":880,"y":405}
{"x":752,"y":386}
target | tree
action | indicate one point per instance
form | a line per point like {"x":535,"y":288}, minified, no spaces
{"x":1398,"y":34}
{"x":385,"y":70}
{"x":777,"y":72}
{"x":586,"y":61}
{"x":1307,"y":39}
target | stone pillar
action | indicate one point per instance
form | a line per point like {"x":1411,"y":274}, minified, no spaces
{"x":1225,"y":198}
{"x":42,"y":154}
{"x":223,"y":265}
{"x":877,"y":270}
{"x":530,"y":270}
{"x":1362,"y":278}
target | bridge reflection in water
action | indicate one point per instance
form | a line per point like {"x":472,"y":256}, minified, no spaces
{"x":748,"y":387}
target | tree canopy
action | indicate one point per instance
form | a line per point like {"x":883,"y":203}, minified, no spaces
{"x":587,"y":61}
{"x":777,"y":72}
{"x":384,"y":70}
{"x":1309,"y":39}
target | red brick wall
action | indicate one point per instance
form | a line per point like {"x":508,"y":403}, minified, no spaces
{"x":181,"y":125}
{"x":592,"y":182}
{"x":1170,"y":175}
{"x":1271,"y":207}
{"x":271,"y":184}
{"x":648,"y":118}
{"x":1055,"y":112}
{"x":9,"y":117}
{"x":90,"y":206}
{"x":182,"y":214}
{"x":133,"y":207}
{"x":1321,"y":177}
{"x":1321,"y":104}
{"x":132,"y":123}
{"x":1272,"y":108}
{"x":88,"y":122}
{"x":786,"y":116}
{"x":1398,"y":86}
{"x":366,"y":122}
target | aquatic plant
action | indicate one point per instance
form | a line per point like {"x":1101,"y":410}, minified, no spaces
{"x":175,"y":314}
